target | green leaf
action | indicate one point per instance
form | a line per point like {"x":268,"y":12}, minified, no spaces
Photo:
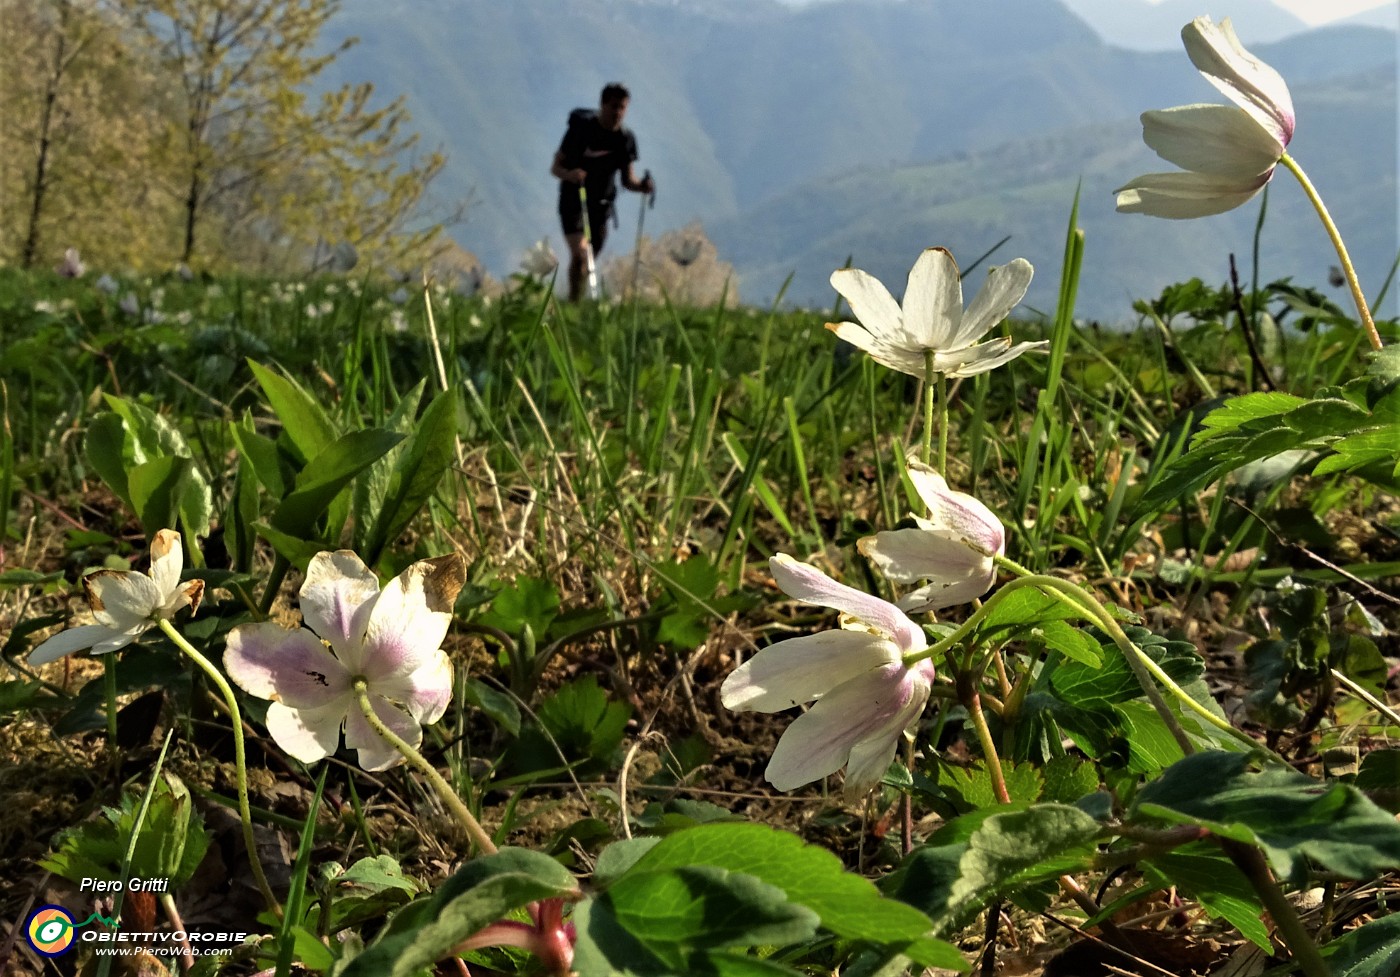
{"x":1204,"y":873}
{"x":1367,"y":951}
{"x":532,"y":600}
{"x":326,"y":475}
{"x":974,"y":788}
{"x":305,"y":421}
{"x":1071,"y":642}
{"x":704,"y":906}
{"x":847,"y":904}
{"x":1287,"y":814}
{"x":110,"y":453}
{"x":499,"y":706}
{"x":1068,"y":778}
{"x":483,"y":891}
{"x":981,"y":856}
{"x":262,"y":454}
{"x":1087,"y":687}
{"x":377,"y":874}
{"x":418,"y":464}
{"x":1239,"y":411}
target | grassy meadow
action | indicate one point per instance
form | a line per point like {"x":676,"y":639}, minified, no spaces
{"x":614,"y":477}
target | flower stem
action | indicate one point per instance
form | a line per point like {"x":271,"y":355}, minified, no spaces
{"x":972,"y":702}
{"x":1300,"y":943}
{"x":943,"y":425}
{"x":240,"y":760}
{"x":1348,"y":269}
{"x":109,"y":676}
{"x":416,"y":760}
{"x":929,"y":394}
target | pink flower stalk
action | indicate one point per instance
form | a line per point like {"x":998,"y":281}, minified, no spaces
{"x":953,"y":548}
{"x":390,"y":639}
{"x":548,"y":937}
{"x":867,"y":693}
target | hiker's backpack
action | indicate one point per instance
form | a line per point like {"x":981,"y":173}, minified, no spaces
{"x":581,"y":117}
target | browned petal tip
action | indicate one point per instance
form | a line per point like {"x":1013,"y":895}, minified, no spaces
{"x":443,"y":581}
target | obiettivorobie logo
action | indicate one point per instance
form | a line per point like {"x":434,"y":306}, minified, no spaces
{"x":53,"y":931}
{"x":50,"y":929}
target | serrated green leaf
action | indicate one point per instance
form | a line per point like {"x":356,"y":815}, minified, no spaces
{"x":1067,"y":779}
{"x":974,"y":787}
{"x":499,"y":706}
{"x":1290,"y":816}
{"x":1239,"y":411}
{"x":1083,"y":687}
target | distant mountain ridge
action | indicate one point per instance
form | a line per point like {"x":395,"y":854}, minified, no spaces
{"x":754,"y":115}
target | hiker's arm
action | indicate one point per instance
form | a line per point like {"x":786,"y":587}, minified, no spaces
{"x":630,"y":181}
{"x":560,"y":172}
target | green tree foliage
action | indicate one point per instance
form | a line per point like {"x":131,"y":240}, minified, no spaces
{"x":80,"y":151}
{"x":264,"y":170}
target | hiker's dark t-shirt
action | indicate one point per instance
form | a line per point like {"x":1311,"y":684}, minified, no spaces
{"x":601,"y":153}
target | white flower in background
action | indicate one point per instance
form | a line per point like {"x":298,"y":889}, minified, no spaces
{"x":932,"y":318}
{"x":398,"y":321}
{"x":72,"y":264}
{"x":392,"y":639}
{"x":184,"y":272}
{"x":130,"y":304}
{"x":107,"y":285}
{"x":399,"y":295}
{"x":952,"y":547}
{"x":866,"y":696}
{"x":539,"y":260}
{"x":126,"y":604}
{"x":1228,"y":151}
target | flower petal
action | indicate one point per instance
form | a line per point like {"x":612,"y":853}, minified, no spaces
{"x":946,"y":592}
{"x":872,"y":304}
{"x":69,"y":641}
{"x":883,"y":352}
{"x":906,"y":555}
{"x":871,"y":757}
{"x":800,"y":669}
{"x":819,"y":742}
{"x":1217,"y":139}
{"x":293,"y":667}
{"x":411,"y":618}
{"x":933,"y":301}
{"x":977,"y":359}
{"x":807,"y":583}
{"x":121,"y":600}
{"x":374,"y":751}
{"x":1244,"y":79}
{"x":167,"y":560}
{"x":1005,"y":286}
{"x":309,"y":733}
{"x":1179,"y":196}
{"x":336,"y":599}
{"x":425,"y":692}
{"x":958,"y":512}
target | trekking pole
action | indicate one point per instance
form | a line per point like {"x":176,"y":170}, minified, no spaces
{"x":588,"y":244}
{"x":637,"y":251}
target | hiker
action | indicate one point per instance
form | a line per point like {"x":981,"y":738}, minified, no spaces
{"x":595,"y":147}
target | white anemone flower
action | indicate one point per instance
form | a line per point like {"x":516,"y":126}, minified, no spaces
{"x":866,"y":694}
{"x":1228,"y":151}
{"x":952,"y":548}
{"x":126,"y":604}
{"x":539,"y":260}
{"x":392,"y":639}
{"x":932,"y":318}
